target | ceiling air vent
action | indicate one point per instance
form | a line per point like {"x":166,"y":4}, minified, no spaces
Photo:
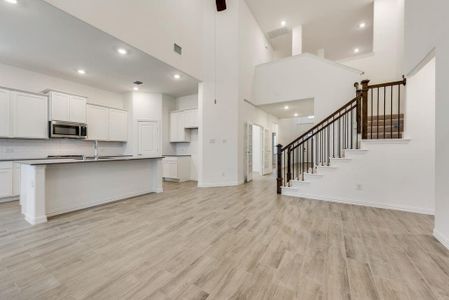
{"x":278,"y":32}
{"x":177,"y":48}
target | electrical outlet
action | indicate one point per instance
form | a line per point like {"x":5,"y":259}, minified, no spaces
{"x":358,"y":187}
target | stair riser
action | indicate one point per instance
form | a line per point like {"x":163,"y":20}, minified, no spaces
{"x":395,"y":117}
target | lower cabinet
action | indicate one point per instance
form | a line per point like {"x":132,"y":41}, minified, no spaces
{"x":176,"y":168}
{"x":9,"y":180}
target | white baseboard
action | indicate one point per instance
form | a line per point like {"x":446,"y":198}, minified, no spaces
{"x":37,"y":220}
{"x":219,"y":184}
{"x":411,"y":209}
{"x":9,"y":199}
{"x":441,"y":238}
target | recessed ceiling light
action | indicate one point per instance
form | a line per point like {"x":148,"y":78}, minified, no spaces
{"x":11,"y":1}
{"x":296,"y":114}
{"x":311,"y":117}
{"x":356,"y":50}
{"x":283,"y":23}
{"x":362,"y":25}
{"x":81,"y":71}
{"x":136,"y":88}
{"x":286,"y":107}
{"x":122,"y":51}
{"x":177,"y":76}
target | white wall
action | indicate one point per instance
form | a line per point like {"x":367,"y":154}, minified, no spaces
{"x":22,"y":79}
{"x":306,"y":76}
{"x":427,"y":28}
{"x":151,"y":26}
{"x":169,"y":104}
{"x":143,"y":107}
{"x":386,"y":61}
{"x":289,"y":130}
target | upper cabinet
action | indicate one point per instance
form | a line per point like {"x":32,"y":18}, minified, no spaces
{"x":191,"y":118}
{"x":106,"y":124}
{"x":23,"y":115}
{"x":5,"y":113}
{"x":30,"y":116}
{"x":180,"y":123}
{"x":68,"y":108}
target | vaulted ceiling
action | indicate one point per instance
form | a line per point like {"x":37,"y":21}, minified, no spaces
{"x":331,"y":25}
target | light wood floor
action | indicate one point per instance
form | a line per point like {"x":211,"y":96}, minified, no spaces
{"x":223,"y":243}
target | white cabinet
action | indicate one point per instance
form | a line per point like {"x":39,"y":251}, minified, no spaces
{"x":176,"y":168}
{"x":77,"y":109}
{"x":118,"y":125}
{"x":180,"y":123}
{"x":178,"y":132}
{"x":9,"y":180}
{"x":30,"y":116}
{"x":6,"y":176}
{"x":5,"y":113}
{"x":16,"y":171}
{"x":23,"y":115}
{"x":97,"y":123}
{"x":191,"y":118}
{"x":68,"y":108}
{"x":106,"y":124}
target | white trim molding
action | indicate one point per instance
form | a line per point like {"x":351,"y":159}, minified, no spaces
{"x":441,"y":238}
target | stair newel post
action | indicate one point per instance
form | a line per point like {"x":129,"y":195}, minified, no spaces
{"x":289,"y":165}
{"x":364,"y":117}
{"x":279,"y":168}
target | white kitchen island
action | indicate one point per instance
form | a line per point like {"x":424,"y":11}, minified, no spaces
{"x":52,"y":187}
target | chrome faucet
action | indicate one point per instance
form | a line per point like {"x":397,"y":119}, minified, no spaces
{"x":96,"y":149}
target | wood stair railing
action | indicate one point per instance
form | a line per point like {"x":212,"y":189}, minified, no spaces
{"x":375,"y":113}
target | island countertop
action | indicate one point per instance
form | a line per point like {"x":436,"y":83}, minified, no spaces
{"x":81,"y":161}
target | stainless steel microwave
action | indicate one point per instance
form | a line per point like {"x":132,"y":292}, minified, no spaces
{"x":68,"y":130}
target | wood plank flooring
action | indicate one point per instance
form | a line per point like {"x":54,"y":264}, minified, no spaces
{"x":222,"y":243}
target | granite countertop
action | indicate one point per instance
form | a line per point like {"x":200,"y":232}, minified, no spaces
{"x":81,"y":161}
{"x":20,"y":159}
{"x":176,"y":155}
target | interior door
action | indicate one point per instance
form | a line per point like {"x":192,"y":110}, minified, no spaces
{"x":267,"y":152}
{"x":149,"y":138}
{"x":249,"y":152}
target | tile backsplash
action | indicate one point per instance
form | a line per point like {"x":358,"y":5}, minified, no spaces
{"x":16,"y":148}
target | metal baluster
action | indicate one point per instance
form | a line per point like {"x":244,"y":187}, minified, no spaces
{"x":385,"y":108}
{"x":372,"y":100}
{"x":391,"y":111}
{"x":377,"y":113}
{"x":399,"y":111}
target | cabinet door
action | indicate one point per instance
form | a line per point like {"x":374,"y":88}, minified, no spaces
{"x":16,"y":179}
{"x":59,"y":107}
{"x":5,"y":179}
{"x":5,"y":113}
{"x":30,"y":116}
{"x":191,"y":118}
{"x":77,"y":109}
{"x":97,"y":123}
{"x":118,"y":125}
{"x":173,"y":169}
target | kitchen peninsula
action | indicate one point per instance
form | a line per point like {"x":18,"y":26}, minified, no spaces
{"x":52,"y":187}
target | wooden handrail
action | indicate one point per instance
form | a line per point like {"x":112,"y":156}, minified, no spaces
{"x":381,"y":85}
{"x":321,"y":123}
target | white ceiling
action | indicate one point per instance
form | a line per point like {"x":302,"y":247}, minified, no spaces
{"x":328,"y":24}
{"x":37,"y":36}
{"x":303,"y":108}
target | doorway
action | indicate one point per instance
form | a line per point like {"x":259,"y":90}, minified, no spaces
{"x":257,"y":150}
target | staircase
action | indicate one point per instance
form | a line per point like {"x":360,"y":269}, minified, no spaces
{"x":374,"y":114}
